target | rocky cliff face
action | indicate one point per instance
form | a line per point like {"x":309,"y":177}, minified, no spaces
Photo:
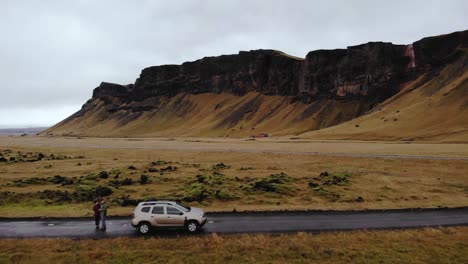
{"x":375,"y":69}
{"x":368,"y":74}
{"x":433,"y":52}
{"x":264,"y":71}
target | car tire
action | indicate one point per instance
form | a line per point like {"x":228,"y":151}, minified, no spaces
{"x":144,"y":228}
{"x":192,"y":226}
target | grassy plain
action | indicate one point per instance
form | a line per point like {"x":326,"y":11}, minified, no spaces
{"x":225,"y":175}
{"x":444,"y":245}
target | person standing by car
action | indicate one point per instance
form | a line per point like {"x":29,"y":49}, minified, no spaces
{"x":103,"y":211}
{"x":97,"y":216}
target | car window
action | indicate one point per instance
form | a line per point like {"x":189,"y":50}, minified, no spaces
{"x":183,"y":207}
{"x":158,"y":210}
{"x":145,"y":209}
{"x":172,"y":210}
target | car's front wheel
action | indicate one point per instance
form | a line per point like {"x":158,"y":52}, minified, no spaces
{"x":192,"y":226}
{"x":144,"y":228}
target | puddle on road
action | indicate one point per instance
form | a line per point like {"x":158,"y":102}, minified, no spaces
{"x":50,"y":224}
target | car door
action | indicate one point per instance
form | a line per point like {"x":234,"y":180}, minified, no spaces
{"x":174,"y":216}
{"x":158,"y":215}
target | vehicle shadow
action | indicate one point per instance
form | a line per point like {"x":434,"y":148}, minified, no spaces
{"x":170,"y":233}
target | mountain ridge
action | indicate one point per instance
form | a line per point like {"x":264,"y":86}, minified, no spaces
{"x":326,"y":88}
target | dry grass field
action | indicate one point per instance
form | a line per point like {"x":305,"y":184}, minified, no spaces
{"x":438,"y":246}
{"x":61,"y":176}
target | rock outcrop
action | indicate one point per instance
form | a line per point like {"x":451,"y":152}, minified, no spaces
{"x":265,"y":71}
{"x":367,"y":74}
{"x":374,"y":69}
{"x":112,"y":89}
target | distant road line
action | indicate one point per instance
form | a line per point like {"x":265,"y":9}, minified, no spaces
{"x":204,"y":149}
{"x":225,"y":147}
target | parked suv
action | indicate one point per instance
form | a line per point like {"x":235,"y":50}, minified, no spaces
{"x":167,"y":214}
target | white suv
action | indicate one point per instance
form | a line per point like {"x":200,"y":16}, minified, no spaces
{"x":167,"y":214}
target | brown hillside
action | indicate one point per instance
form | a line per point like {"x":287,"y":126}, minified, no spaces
{"x":373,"y":91}
{"x":429,"y":108}
{"x":211,"y":115}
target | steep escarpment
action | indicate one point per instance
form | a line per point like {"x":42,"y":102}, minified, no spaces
{"x":433,"y":107}
{"x":263,"y":91}
{"x":265,"y":71}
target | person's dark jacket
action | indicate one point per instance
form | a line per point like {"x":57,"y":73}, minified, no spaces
{"x":96,"y":209}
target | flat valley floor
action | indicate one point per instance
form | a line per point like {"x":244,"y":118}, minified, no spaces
{"x":59,"y":176}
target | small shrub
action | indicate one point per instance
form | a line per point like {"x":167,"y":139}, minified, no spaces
{"x":278,"y":183}
{"x":127,"y":181}
{"x":55,"y":196}
{"x":144,"y":179}
{"x":126,"y":201}
{"x":57,"y":179}
{"x":29,"y":181}
{"x":326,"y":178}
{"x":196,"y":192}
{"x":131,"y":167}
{"x":326,"y":193}
{"x":201,"y":178}
{"x":102,"y":191}
{"x":115,"y":183}
{"x":159,"y":163}
{"x":85,"y":193}
{"x":337,"y":180}
{"x":313,"y":184}
{"x":103,"y":175}
{"x":220,"y":166}
{"x":168,"y":168}
{"x":114,"y":171}
{"x":224,"y":195}
{"x":91,"y":176}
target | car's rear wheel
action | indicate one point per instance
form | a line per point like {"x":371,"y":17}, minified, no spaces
{"x":144,"y":228}
{"x":192,"y":226}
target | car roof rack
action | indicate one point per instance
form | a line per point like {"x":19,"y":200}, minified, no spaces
{"x":157,"y":202}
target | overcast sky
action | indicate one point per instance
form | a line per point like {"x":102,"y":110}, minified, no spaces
{"x":53,"y":53}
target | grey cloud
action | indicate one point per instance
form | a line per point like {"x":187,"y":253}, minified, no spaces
{"x":53,"y":53}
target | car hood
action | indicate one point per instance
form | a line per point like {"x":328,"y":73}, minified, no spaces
{"x":195,"y":210}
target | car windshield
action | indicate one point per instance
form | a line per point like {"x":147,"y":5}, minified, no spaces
{"x":184,"y":207}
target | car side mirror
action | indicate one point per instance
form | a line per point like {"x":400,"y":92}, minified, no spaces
{"x":181,"y":213}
